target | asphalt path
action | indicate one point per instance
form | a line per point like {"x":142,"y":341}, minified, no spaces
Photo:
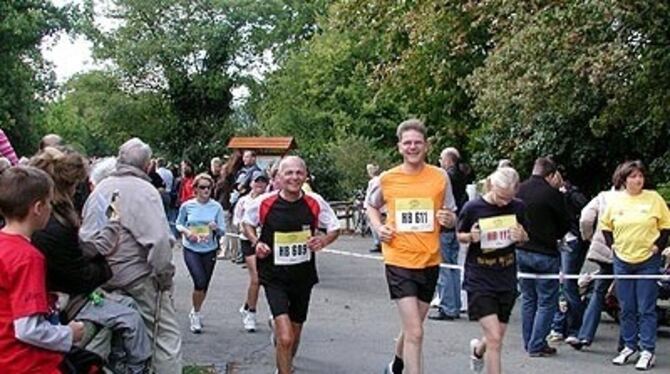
{"x":352,"y":325}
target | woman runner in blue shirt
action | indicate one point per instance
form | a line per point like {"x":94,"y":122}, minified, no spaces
{"x":201,"y":223}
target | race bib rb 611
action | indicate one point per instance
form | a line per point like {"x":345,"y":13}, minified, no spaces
{"x":414,"y":215}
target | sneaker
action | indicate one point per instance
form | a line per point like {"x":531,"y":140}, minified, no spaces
{"x":624,"y":356}
{"x":554,"y":336}
{"x":435,"y":303}
{"x":249,"y":321}
{"x":646,"y":361}
{"x":579,"y":344}
{"x":571,"y":340}
{"x":476,"y":363}
{"x":439,"y":315}
{"x":544,"y":352}
{"x":196,"y":323}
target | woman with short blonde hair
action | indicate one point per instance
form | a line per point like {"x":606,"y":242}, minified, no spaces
{"x":492,"y":225}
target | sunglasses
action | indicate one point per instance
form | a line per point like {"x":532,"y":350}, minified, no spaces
{"x":204,"y":187}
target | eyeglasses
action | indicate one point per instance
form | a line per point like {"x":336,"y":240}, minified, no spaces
{"x":204,"y":187}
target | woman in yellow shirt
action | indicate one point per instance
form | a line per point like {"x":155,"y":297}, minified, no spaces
{"x":636,"y":225}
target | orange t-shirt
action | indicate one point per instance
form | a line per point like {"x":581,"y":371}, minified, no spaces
{"x":412,"y":201}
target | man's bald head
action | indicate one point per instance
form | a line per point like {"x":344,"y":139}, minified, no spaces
{"x":292,"y":161}
{"x":50,"y":140}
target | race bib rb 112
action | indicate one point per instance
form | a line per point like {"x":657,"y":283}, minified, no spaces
{"x":290,"y":248}
{"x":496,"y":232}
{"x":414,"y":215}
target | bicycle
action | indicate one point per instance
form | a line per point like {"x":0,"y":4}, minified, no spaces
{"x":360,"y":218}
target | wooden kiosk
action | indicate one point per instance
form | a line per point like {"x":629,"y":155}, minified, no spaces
{"x":268,"y":149}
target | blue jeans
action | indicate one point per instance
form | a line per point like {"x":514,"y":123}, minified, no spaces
{"x":539,"y":298}
{"x":593,"y":311}
{"x":637,"y":302}
{"x":572,"y":260}
{"x":449,"y":281}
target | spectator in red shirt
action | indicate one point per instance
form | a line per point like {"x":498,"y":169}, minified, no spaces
{"x":29,"y":342}
{"x":186,"y":185}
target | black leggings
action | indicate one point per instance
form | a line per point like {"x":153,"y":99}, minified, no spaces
{"x":200,"y":266}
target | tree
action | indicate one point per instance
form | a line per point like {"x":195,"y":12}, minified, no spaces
{"x":587,"y":82}
{"x":193,"y":53}
{"x":95,"y":114}
{"x":25,"y":78}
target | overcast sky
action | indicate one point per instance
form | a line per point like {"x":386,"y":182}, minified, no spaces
{"x":68,"y":55}
{"x":73,"y":55}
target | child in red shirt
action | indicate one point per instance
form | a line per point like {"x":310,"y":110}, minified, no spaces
{"x":28,"y":341}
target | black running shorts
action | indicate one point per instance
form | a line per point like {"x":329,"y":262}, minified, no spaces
{"x":247,"y":249}
{"x":293,"y":301}
{"x":419,"y":283}
{"x":482,"y":304}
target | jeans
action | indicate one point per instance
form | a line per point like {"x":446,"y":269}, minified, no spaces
{"x":120,"y":321}
{"x":637,"y":302}
{"x":449,"y":281}
{"x":594,"y":309}
{"x":572,"y":260}
{"x":539,"y":298}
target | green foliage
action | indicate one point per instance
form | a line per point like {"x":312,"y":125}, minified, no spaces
{"x":339,"y":168}
{"x":96,"y":114}
{"x":664,"y":190}
{"x":587,"y":82}
{"x":25,"y":79}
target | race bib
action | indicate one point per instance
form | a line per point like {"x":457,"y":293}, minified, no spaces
{"x":414,"y":215}
{"x":290,"y":248}
{"x":496,"y":232}
{"x":200,"y":230}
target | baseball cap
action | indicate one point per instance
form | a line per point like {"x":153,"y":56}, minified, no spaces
{"x":259,"y":176}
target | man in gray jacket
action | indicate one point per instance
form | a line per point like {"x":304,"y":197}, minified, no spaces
{"x":142,"y":264}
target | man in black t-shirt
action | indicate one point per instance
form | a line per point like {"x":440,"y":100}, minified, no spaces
{"x":289,"y":220}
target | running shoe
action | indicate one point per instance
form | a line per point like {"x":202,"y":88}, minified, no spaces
{"x":544,"y":352}
{"x":196,"y":323}
{"x":580,"y":344}
{"x":435,"y":303}
{"x":476,"y":363}
{"x":646,"y":361}
{"x":554,"y":336}
{"x":624,"y":356}
{"x":439,"y":315}
{"x":571,"y":340}
{"x":249,"y":321}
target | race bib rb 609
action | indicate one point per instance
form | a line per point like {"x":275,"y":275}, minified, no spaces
{"x":290,"y":248}
{"x":414,"y":215}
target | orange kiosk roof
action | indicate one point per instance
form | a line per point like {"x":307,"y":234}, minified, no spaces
{"x":267,"y":145}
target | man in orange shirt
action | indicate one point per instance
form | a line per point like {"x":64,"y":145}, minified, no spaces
{"x":419,"y":199}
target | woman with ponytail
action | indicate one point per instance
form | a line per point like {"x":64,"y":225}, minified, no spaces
{"x":79,"y":269}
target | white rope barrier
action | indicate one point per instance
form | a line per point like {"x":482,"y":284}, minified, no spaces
{"x":521,"y":275}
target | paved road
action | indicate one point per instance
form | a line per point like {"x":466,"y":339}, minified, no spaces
{"x":352,"y":324}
